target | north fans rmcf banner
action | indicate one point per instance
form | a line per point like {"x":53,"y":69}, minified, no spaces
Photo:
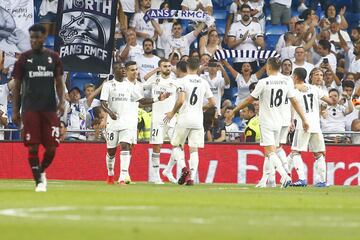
{"x":85,"y":34}
{"x":219,"y":163}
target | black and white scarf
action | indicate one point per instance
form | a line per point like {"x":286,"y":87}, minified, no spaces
{"x":258,"y":54}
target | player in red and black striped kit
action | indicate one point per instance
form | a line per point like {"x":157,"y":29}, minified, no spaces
{"x":38,"y":73}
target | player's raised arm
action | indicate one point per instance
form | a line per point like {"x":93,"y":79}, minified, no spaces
{"x":299,"y":111}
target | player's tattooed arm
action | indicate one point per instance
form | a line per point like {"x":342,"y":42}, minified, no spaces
{"x":178,"y":104}
{"x":105,"y":106}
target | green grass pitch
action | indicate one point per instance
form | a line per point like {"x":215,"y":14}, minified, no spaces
{"x":93,"y":210}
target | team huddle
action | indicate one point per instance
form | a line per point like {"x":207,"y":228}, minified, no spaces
{"x":178,"y":104}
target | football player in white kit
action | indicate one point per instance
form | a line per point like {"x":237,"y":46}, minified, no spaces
{"x":161,"y":131}
{"x":309,"y":98}
{"x":116,"y":96}
{"x":268,"y":178}
{"x":272,"y":93}
{"x":191,"y":93}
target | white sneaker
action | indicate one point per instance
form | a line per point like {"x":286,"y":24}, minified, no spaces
{"x":260,"y":185}
{"x":271,"y":184}
{"x":40,"y":187}
{"x":43,"y":179}
{"x":169,"y":176}
{"x":158,"y":182}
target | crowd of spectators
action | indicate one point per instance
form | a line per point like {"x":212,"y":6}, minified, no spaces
{"x":319,"y":38}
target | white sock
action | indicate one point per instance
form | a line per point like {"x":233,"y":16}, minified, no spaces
{"x":110,"y":163}
{"x":282,"y":155}
{"x":193,"y":163}
{"x":155,"y":159}
{"x":124,"y":164}
{"x":290,"y":163}
{"x":266,"y":171}
{"x":275,"y":161}
{"x":299,"y":166}
{"x":316,"y":172}
{"x":321,"y":168}
{"x":179,"y":157}
{"x":272,"y":175}
{"x":171,"y":163}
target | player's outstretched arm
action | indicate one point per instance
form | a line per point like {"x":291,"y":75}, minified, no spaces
{"x":179,"y":102}
{"x":250,"y":99}
{"x":299,"y":111}
{"x":106,"y":108}
{"x":148,"y":101}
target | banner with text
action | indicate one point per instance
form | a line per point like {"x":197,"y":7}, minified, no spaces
{"x":219,"y":163}
{"x":85,"y":34}
{"x":15,"y":19}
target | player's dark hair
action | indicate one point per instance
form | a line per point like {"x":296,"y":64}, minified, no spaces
{"x":148,"y":40}
{"x":348,"y":83}
{"x":182,"y":66}
{"x":274,"y":63}
{"x":244,"y":6}
{"x":162,"y":60}
{"x":325,"y":44}
{"x":193,"y":63}
{"x":334,"y":90}
{"x":301,"y":73}
{"x":129,"y":63}
{"x":251,"y":108}
{"x":37,"y":28}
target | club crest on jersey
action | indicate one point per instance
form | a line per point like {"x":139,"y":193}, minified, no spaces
{"x":49,"y":60}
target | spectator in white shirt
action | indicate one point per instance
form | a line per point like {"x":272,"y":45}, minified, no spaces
{"x":244,"y":79}
{"x":197,"y":5}
{"x":333,"y":119}
{"x":299,"y":62}
{"x":137,"y":23}
{"x":324,"y":50}
{"x":281,"y":42}
{"x":147,"y":61}
{"x":210,"y":43}
{"x":178,"y":43}
{"x":245,"y":35}
{"x":331,"y":13}
{"x":352,"y":56}
{"x":132,"y":49}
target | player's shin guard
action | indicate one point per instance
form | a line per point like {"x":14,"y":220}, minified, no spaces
{"x":124,"y":164}
{"x":282,"y":155}
{"x":299,"y":166}
{"x":47,"y":160}
{"x":275,"y":161}
{"x":193,"y":163}
{"x":171,"y":163}
{"x":155,"y":160}
{"x":266,"y":173}
{"x":321,"y":169}
{"x":179,"y":157}
{"x":110,"y":164}
{"x":33,"y":159}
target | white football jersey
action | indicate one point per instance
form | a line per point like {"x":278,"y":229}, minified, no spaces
{"x":134,"y":105}
{"x":119,"y":96}
{"x":310,"y":104}
{"x":286,"y":107}
{"x":159,"y":85}
{"x":272,"y":93}
{"x":196,"y":90}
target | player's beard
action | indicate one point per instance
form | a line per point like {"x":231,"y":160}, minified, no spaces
{"x":167,"y":73}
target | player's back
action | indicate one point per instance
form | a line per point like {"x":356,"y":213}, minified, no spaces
{"x":196,"y":90}
{"x":286,"y":107}
{"x":309,"y":99}
{"x":272,"y":92}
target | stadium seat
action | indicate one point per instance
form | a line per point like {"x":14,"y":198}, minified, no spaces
{"x":275,"y":29}
{"x":220,"y":26}
{"x":50,"y":41}
{"x":220,"y":14}
{"x":353,"y":19}
{"x":341,"y":3}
